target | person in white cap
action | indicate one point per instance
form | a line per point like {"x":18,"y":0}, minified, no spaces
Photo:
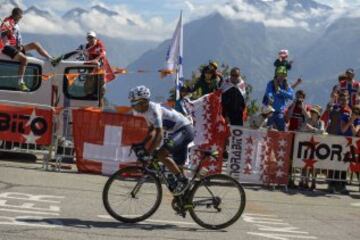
{"x":94,"y":49}
{"x":259,"y":121}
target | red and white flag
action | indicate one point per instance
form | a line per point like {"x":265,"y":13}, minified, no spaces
{"x":259,"y":157}
{"x":211,"y":130}
{"x":102,"y":140}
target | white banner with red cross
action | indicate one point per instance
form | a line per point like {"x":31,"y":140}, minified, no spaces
{"x":259,"y":157}
{"x":326,"y":152}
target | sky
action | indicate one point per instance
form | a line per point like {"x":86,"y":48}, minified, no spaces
{"x":154,"y":19}
{"x":167,"y":9}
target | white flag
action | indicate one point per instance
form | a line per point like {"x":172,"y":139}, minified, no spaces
{"x":174,"y":57}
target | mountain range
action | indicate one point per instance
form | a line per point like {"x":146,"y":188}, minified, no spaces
{"x":322,"y":41}
{"x":121,"y":51}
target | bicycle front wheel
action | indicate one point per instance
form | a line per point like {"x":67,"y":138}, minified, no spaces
{"x":217,"y":201}
{"x":130,"y":195}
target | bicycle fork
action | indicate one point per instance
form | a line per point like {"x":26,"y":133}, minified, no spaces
{"x":137,"y":187}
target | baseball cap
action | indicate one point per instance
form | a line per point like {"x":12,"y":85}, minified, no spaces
{"x":91,"y":34}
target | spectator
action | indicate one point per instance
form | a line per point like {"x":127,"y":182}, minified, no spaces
{"x":314,"y":123}
{"x":207,"y":83}
{"x":14,"y":48}
{"x":350,"y":85}
{"x":260,"y":121}
{"x":334,"y":99}
{"x":338,"y":115}
{"x":277,"y":94}
{"x":214,"y":67}
{"x":181,"y":103}
{"x":282,"y":61}
{"x":233,"y":98}
{"x":350,"y":122}
{"x":296,"y":113}
{"x":336,"y":111}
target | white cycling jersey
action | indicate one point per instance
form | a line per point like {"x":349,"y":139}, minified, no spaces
{"x":164,"y":117}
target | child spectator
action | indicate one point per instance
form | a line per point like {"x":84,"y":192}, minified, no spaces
{"x":282,"y":61}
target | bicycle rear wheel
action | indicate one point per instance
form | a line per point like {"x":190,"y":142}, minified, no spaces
{"x":217,"y":201}
{"x":130,"y":195}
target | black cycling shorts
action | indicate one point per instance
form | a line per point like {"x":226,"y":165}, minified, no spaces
{"x":10,"y":51}
{"x":177,"y":143}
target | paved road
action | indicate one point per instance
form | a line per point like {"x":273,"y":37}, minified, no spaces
{"x":35,"y":204}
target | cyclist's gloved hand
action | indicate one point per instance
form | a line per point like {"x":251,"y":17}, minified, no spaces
{"x":140,"y":151}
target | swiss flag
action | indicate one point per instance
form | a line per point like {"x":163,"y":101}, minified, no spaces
{"x":102,"y":139}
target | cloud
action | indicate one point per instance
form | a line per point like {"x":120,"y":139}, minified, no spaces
{"x":125,"y":24}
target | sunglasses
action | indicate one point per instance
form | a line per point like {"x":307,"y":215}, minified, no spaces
{"x":137,"y":103}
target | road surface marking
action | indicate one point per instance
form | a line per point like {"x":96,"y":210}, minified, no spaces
{"x":30,"y":197}
{"x":19,"y":221}
{"x":355,"y":204}
{"x":31,"y":212}
{"x":271,"y":227}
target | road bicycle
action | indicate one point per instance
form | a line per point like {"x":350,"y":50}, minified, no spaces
{"x":134,"y":193}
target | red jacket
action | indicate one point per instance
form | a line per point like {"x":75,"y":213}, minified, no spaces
{"x":95,"y":51}
{"x":13,"y":37}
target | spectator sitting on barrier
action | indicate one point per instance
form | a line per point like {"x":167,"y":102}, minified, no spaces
{"x":277,"y":94}
{"x":259,"y":121}
{"x":314,"y":123}
{"x":296,"y":113}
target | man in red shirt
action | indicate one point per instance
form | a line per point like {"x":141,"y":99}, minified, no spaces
{"x":95,"y":49}
{"x":13,"y":45}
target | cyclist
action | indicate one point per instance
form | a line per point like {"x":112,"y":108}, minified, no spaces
{"x":173,"y":152}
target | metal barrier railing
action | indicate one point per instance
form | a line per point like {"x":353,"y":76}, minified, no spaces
{"x":29,"y":148}
{"x":61,"y":146}
{"x":324,"y":176}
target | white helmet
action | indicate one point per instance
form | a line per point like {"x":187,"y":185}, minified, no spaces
{"x":139,"y":92}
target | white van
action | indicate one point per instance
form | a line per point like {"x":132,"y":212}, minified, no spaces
{"x":73,"y":84}
{"x":58,"y":91}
